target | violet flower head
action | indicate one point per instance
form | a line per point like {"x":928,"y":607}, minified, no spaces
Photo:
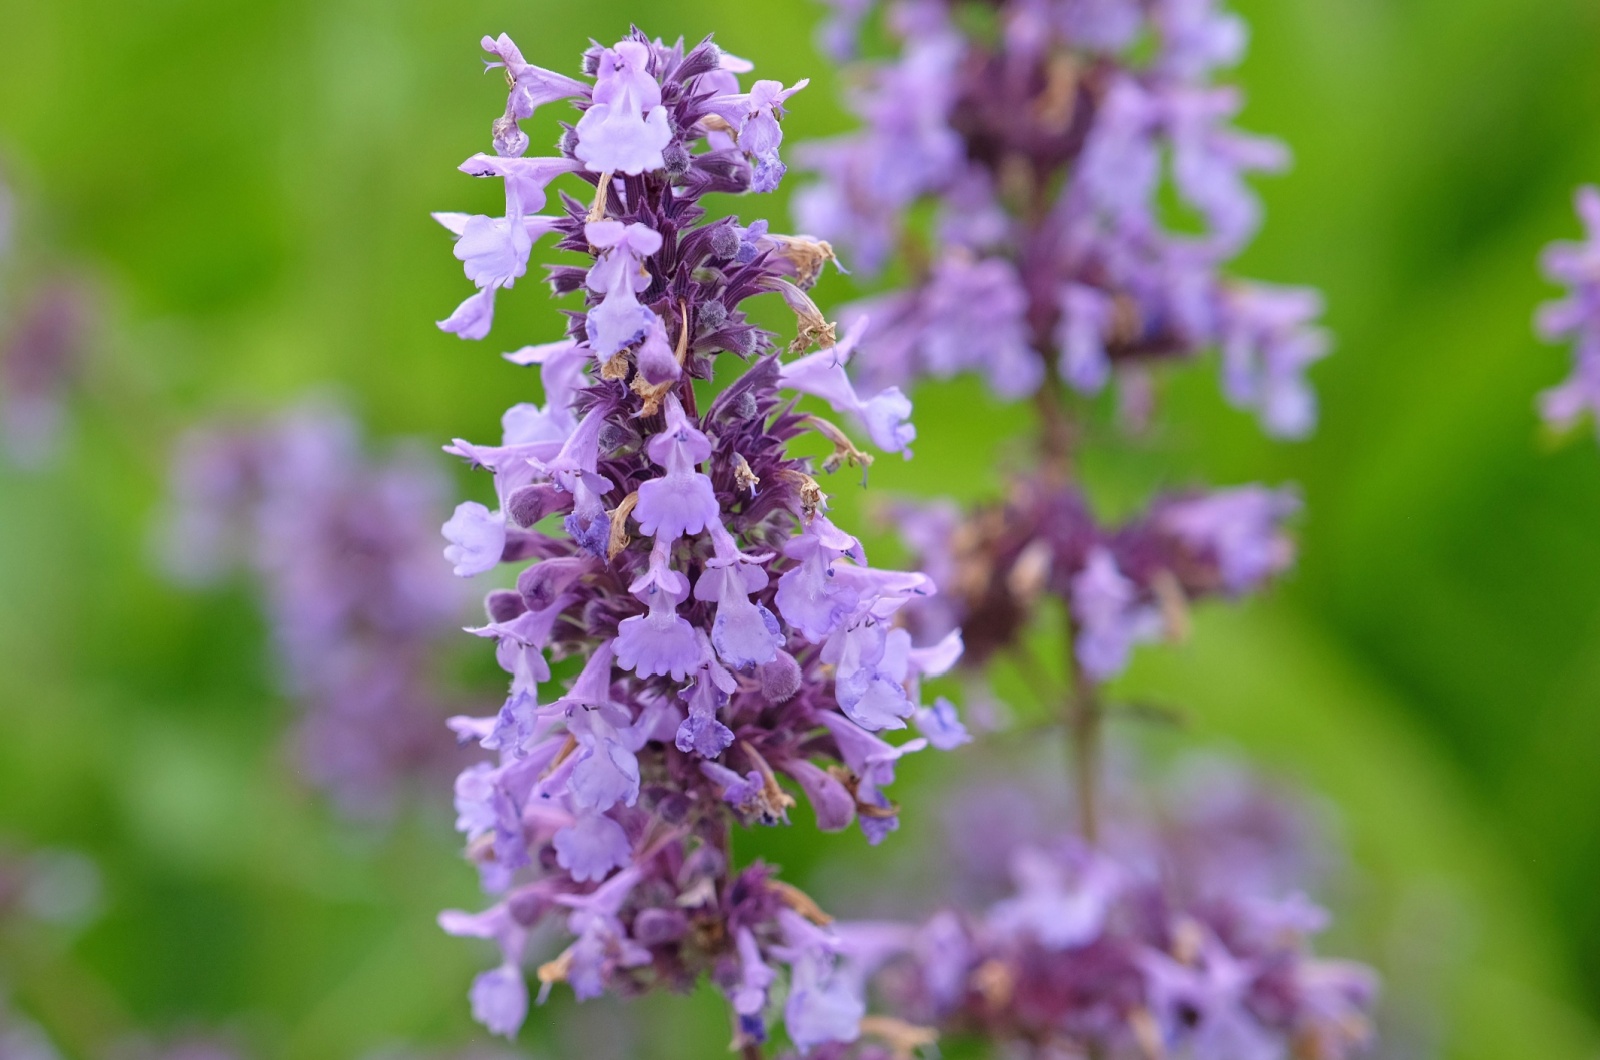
{"x":1575,"y":317}
{"x":1046,"y":151}
{"x":1169,"y":938}
{"x":1124,"y":585}
{"x":342,"y":547}
{"x":729,"y":634}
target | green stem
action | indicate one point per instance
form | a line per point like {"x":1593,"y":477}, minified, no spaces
{"x":1084,"y":717}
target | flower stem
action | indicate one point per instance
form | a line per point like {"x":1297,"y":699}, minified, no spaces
{"x":1058,"y":438}
{"x":1084,"y":716}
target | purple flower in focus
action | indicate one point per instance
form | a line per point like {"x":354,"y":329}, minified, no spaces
{"x":618,"y":276}
{"x":681,"y":501}
{"x":625,"y":129}
{"x":753,"y":119}
{"x":726,"y":628}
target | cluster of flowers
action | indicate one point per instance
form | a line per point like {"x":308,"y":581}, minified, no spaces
{"x":358,"y":602}
{"x":1043,"y":148}
{"x":1123,"y":585}
{"x":1184,"y":932}
{"x":39,"y":353}
{"x":1575,"y":318}
{"x":742,"y":638}
{"x":1038,"y":141}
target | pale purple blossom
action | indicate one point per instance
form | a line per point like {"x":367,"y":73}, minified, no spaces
{"x":618,"y":276}
{"x":625,"y":129}
{"x":342,"y":545}
{"x":1575,"y":318}
{"x":1109,"y":615}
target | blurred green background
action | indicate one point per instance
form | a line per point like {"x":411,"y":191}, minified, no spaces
{"x":248,"y":185}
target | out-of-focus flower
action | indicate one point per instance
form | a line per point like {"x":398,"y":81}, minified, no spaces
{"x":1575,"y":318}
{"x":1046,"y":151}
{"x":1184,"y":932}
{"x":342,"y":545}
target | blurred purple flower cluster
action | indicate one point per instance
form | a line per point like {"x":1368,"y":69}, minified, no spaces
{"x":1575,"y":318}
{"x":1061,"y":183}
{"x":742,"y":638}
{"x":1124,"y":585}
{"x":1184,"y":932}
{"x":1086,"y":186}
{"x":44,"y":327}
{"x":359,"y":604}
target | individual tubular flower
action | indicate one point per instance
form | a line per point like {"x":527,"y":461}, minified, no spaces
{"x":618,"y":277}
{"x":494,"y":251}
{"x":737,"y":651}
{"x":625,"y":129}
{"x":1047,"y":150}
{"x":752,"y":118}
{"x":531,"y":87}
{"x":340,"y":543}
{"x":886,"y":415}
{"x":1575,"y":318}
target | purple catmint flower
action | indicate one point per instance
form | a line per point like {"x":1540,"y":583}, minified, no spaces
{"x":531,"y":88}
{"x":342,"y":546}
{"x":1073,"y":274}
{"x":618,"y":276}
{"x":736,"y":647}
{"x":1087,"y":314}
{"x":661,"y":642}
{"x":500,"y":999}
{"x":1240,"y":530}
{"x":752,"y":118}
{"x":1165,"y":939}
{"x":477,"y":538}
{"x":681,"y":501}
{"x":1268,"y":343}
{"x":1575,"y":318}
{"x":824,"y":1005}
{"x":1062,"y":904}
{"x":625,"y":129}
{"x":494,"y":251}
{"x":1125,"y":585}
{"x":42,"y":345}
{"x":822,"y":374}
